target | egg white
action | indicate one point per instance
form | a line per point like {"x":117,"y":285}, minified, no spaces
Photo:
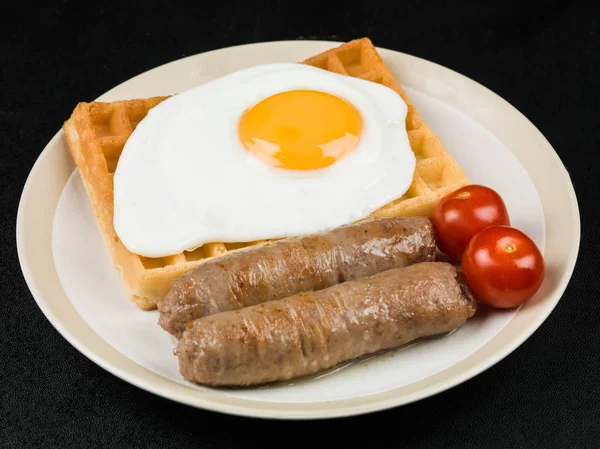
{"x":184,"y":178}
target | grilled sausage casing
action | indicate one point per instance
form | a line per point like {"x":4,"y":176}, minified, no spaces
{"x":290,"y":266}
{"x":315,"y":331}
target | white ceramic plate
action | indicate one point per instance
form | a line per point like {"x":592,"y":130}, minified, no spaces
{"x":72,"y":280}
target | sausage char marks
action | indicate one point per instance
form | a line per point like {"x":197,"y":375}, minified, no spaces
{"x":290,"y":266}
{"x":314,"y":331}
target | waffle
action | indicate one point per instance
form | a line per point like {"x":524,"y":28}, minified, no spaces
{"x":96,"y":134}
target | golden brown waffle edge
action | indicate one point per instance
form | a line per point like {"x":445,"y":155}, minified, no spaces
{"x":96,"y":134}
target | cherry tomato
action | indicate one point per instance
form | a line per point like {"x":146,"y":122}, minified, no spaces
{"x":503,"y":266}
{"x":463,"y":213}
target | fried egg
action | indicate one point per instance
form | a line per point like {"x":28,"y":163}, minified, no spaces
{"x":272,"y":151}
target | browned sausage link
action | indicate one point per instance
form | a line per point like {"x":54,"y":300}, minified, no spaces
{"x":311,"y":332}
{"x":286,"y":267}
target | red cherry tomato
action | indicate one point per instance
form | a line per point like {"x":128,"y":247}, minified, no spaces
{"x":503,"y":266}
{"x":463,"y":213}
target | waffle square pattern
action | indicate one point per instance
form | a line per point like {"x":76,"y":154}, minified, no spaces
{"x":97,"y":132}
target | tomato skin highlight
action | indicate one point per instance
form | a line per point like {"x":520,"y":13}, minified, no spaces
{"x":503,"y":267}
{"x":463,"y":213}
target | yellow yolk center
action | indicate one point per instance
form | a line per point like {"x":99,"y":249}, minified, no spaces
{"x":301,"y":129}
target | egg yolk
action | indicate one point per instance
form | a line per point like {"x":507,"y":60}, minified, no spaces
{"x":301,"y":129}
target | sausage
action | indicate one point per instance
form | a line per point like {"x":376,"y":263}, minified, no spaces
{"x":289,"y":266}
{"x":315,"y":331}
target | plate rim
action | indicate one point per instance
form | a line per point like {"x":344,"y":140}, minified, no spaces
{"x":329,"y":409}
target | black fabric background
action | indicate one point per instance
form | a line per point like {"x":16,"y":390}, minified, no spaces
{"x":544,"y":59}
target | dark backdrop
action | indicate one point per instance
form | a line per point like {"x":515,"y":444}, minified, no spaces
{"x":542,"y":59}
